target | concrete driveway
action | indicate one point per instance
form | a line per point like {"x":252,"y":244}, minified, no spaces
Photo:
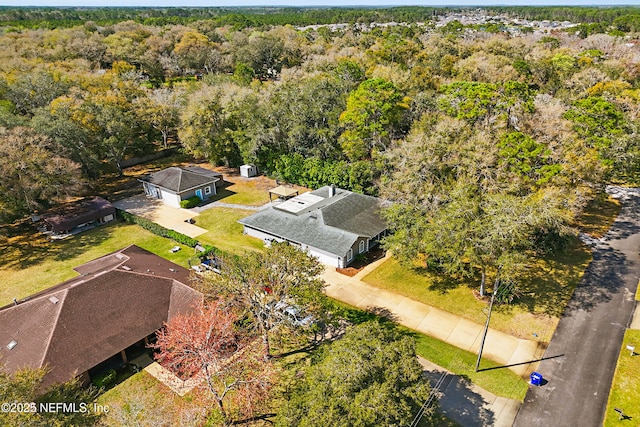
{"x":162,"y":214}
{"x":582,"y":355}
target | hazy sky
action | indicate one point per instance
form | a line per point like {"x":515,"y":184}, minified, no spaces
{"x":204,"y":3}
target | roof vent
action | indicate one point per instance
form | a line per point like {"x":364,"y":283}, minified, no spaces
{"x":12,"y":344}
{"x":126,"y":267}
{"x":54,"y":300}
{"x":332,"y":190}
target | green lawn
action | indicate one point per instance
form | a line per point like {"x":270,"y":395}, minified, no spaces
{"x":225,"y":232}
{"x":251,"y":193}
{"x":546,"y":287}
{"x":625,"y":390}
{"x":598,"y":216}
{"x":31,"y":264}
{"x":143,"y":400}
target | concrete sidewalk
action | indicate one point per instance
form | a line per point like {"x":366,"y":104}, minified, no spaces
{"x":466,"y":403}
{"x":519,"y":355}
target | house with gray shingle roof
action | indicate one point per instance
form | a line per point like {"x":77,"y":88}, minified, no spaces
{"x":174,"y":184}
{"x":330,"y":223}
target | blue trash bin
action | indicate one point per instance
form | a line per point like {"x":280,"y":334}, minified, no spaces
{"x":536,"y":378}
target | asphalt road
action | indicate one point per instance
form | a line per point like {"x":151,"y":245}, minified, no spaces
{"x":581,"y":357}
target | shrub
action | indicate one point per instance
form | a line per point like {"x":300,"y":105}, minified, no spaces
{"x":191,"y":202}
{"x":105,"y":378}
{"x":157,"y":229}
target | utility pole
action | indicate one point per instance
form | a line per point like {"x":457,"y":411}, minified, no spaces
{"x":486,"y":326}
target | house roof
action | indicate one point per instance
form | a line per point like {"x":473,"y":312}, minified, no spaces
{"x":332,"y":224}
{"x":179,"y":180}
{"x":74,"y":214}
{"x":116,"y":301}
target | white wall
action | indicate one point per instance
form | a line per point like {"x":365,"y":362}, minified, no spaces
{"x":324,"y":257}
{"x":170,"y":198}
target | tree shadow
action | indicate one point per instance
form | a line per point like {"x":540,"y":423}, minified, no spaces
{"x":602,"y":279}
{"x":547,"y":286}
{"x":383,"y":313}
{"x":28,"y":248}
{"x":442,"y":282}
{"x":458,"y":401}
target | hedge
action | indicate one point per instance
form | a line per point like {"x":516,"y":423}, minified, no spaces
{"x":191,"y":202}
{"x":157,"y":229}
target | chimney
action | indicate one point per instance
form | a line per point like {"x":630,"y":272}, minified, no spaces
{"x":332,"y":190}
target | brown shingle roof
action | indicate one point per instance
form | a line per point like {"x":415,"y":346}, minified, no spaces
{"x":96,"y":315}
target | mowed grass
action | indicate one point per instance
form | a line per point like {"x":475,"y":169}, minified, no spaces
{"x":625,"y":390}
{"x":225,"y":232}
{"x":545,"y":288}
{"x":492,"y":376}
{"x":30,"y":263}
{"x":143,"y":400}
{"x":598,"y":217}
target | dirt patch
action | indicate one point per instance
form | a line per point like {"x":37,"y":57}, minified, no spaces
{"x":362,"y":261}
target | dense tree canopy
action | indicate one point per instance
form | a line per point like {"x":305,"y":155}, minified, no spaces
{"x":369,"y":377}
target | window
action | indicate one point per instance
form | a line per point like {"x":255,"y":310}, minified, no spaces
{"x":361,"y":247}
{"x":349,"y":255}
{"x":207,"y":190}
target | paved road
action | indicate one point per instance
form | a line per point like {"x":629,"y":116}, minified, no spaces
{"x":581,"y":357}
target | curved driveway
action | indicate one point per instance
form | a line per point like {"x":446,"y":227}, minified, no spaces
{"x":581,"y":357}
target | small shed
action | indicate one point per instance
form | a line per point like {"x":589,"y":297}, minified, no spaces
{"x":283,"y":192}
{"x":248,"y":171}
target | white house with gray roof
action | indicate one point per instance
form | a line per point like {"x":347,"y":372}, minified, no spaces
{"x":330,"y":223}
{"x":174,"y":184}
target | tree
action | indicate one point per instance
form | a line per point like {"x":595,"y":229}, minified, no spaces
{"x":258,"y":282}
{"x":35,"y":89}
{"x":373,"y":117}
{"x":208,"y":128}
{"x":161,"y":109}
{"x":33,"y":176}
{"x":62,"y":121}
{"x":470,"y":205}
{"x":369,"y":377}
{"x":24,"y":388}
{"x":207,"y":342}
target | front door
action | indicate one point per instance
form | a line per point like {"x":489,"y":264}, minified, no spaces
{"x":199,"y":194}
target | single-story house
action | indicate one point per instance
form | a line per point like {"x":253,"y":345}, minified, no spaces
{"x":330,"y":223}
{"x":174,"y":184}
{"x":76,"y":217}
{"x":110,"y":310}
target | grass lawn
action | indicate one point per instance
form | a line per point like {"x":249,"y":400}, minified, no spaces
{"x":492,"y":376}
{"x":625,"y":390}
{"x":143,"y":400}
{"x":598,"y":217}
{"x":546,"y":287}
{"x":225,"y":232}
{"x":31,"y":264}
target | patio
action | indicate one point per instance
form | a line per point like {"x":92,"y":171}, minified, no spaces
{"x":154,"y":210}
